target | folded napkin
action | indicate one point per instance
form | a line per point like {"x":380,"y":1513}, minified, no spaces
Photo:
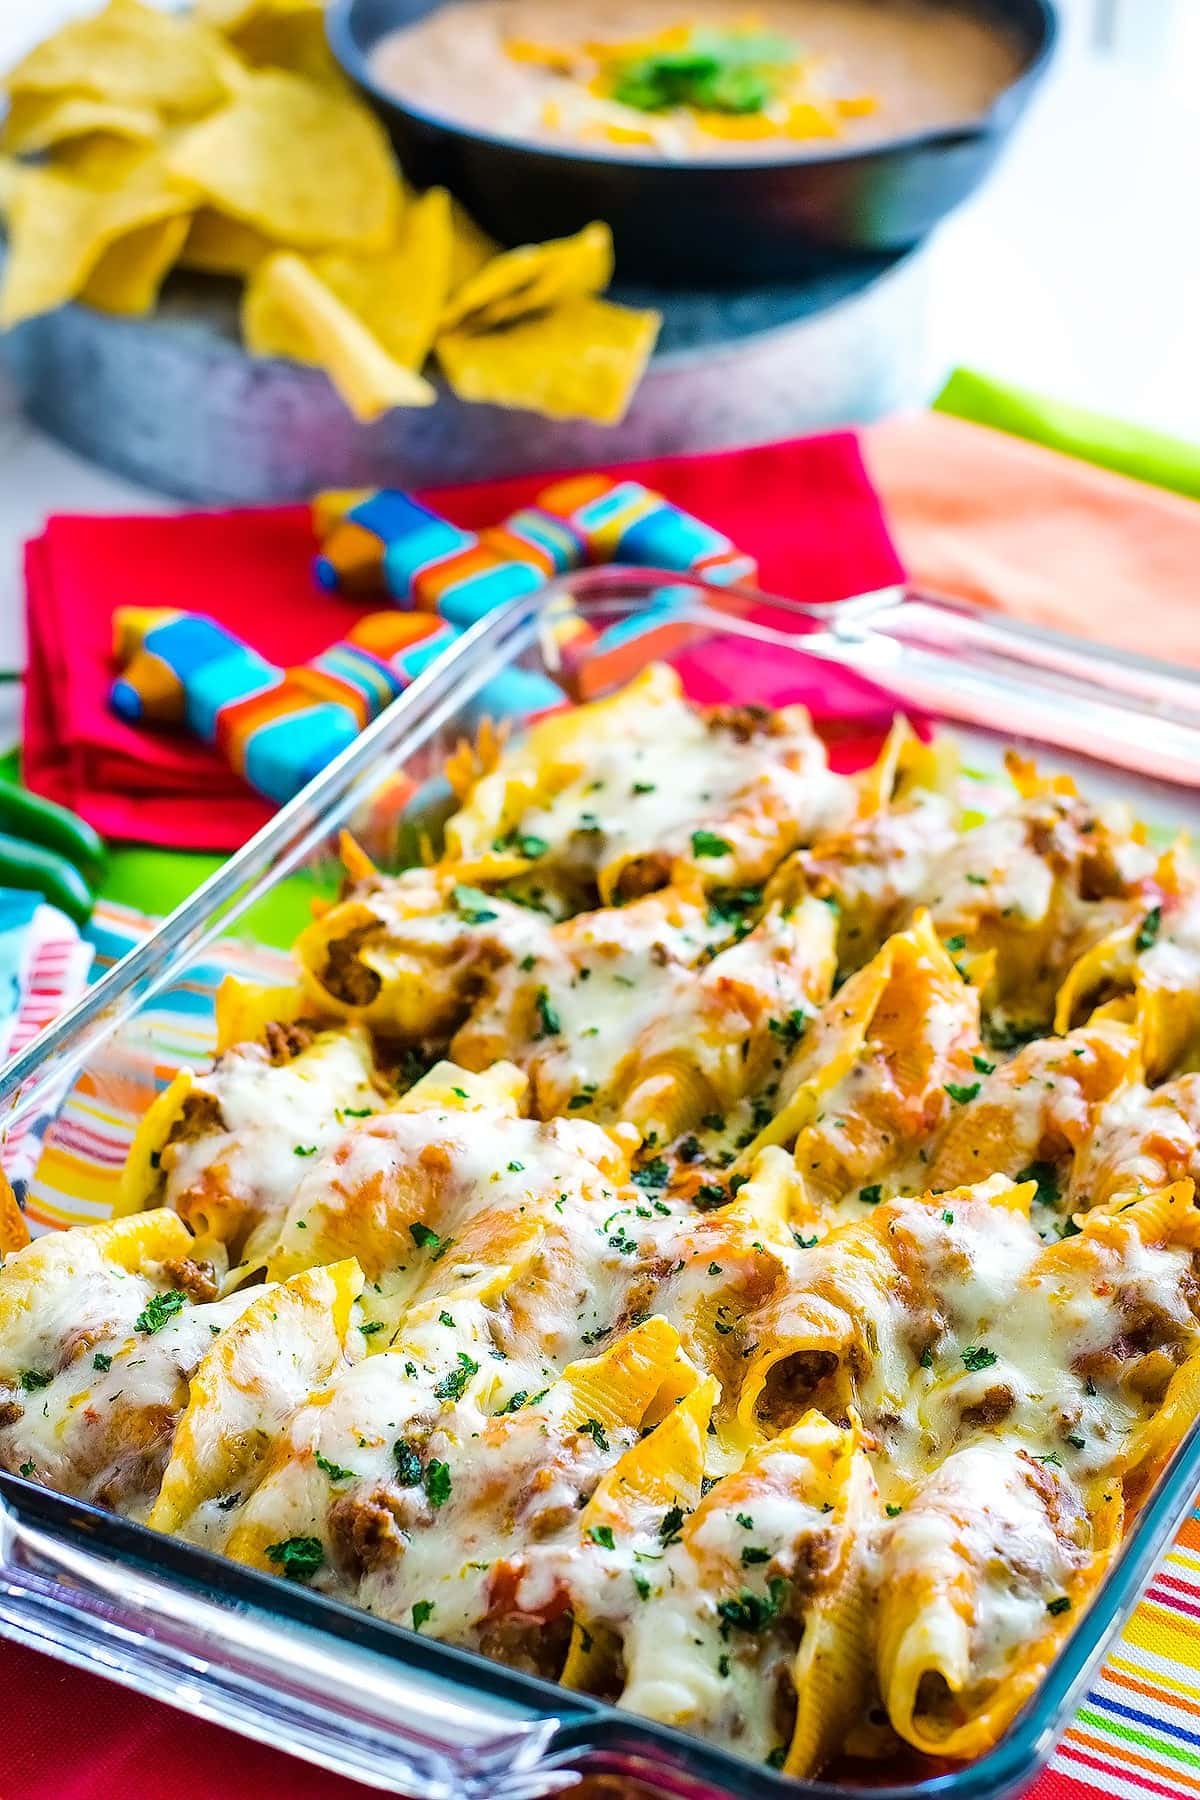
{"x":982,"y":516}
{"x":1153,"y":456}
{"x":805,"y":508}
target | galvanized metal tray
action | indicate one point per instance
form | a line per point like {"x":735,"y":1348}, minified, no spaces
{"x":175,"y":402}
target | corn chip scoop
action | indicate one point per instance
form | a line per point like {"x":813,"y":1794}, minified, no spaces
{"x":270,"y":170}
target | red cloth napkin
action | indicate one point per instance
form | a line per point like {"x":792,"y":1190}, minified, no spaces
{"x":805,"y":508}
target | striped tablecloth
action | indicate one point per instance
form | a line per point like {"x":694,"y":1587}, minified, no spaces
{"x":1138,"y":1732}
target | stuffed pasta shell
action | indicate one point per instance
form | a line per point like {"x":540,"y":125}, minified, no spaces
{"x":626,"y":794}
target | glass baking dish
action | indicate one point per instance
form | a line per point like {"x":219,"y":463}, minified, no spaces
{"x":373,"y":1700}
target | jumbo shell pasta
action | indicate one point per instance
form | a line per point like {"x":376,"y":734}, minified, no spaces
{"x":718,"y":1233}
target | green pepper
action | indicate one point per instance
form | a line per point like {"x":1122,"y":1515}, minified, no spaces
{"x":38,"y":821}
{"x":25,"y":865}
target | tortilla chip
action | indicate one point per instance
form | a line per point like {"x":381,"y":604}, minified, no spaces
{"x":222,"y":246}
{"x":132,"y":55}
{"x":532,"y":279}
{"x":129,"y":274}
{"x":61,"y":227}
{"x":305,"y":164}
{"x":39,"y":121}
{"x":233,"y":15}
{"x":399,"y":296}
{"x":581,"y":361}
{"x":290,"y":37}
{"x":286,"y":303}
{"x":471,"y":246}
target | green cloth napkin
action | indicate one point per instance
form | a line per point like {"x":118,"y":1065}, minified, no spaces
{"x":1150,"y":456}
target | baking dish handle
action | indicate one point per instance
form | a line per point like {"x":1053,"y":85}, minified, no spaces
{"x":337,"y":1703}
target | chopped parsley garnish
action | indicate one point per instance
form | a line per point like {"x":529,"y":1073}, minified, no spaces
{"x":1061,"y":1605}
{"x":595,"y":1430}
{"x":671,"y":1524}
{"x":583,"y":1098}
{"x":738,"y":71}
{"x":408,"y":1463}
{"x":752,"y":1612}
{"x":732,"y":907}
{"x":32,"y":1379}
{"x":804,"y":1243}
{"x":961,"y":1091}
{"x":516,"y":1168}
{"x":549,"y":1021}
{"x":978,"y":1356}
{"x":102,"y":1361}
{"x":893,"y":1512}
{"x":926,"y":1358}
{"x":754,"y":1553}
{"x":745,"y":1521}
{"x":947,"y":1218}
{"x":983,"y":1065}
{"x":602,"y":1535}
{"x":710,"y":1194}
{"x":707,"y":843}
{"x":27,"y":1468}
{"x":654,"y":1174}
{"x":643,"y":787}
{"x":1076,"y":1443}
{"x":1147,"y":933}
{"x":1046,"y":1177}
{"x":299,"y":1558}
{"x":791,"y":1028}
{"x":871,"y":1196}
{"x":473,"y":906}
{"x":159,"y":1310}
{"x":956,"y":943}
{"x":453,"y":1385}
{"x":515,"y":1402}
{"x":1053,"y":1458}
{"x":437,"y":1483}
{"x":358,"y":1112}
{"x":304,"y":1149}
{"x":335,"y":1471}
{"x":371,"y":1327}
{"x":421,"y":1613}
{"x":532,"y":846}
{"x":423,"y":1237}
{"x":526,"y":963}
{"x":642,"y":1585}
{"x":713,"y":1122}
{"x":445,"y":1318}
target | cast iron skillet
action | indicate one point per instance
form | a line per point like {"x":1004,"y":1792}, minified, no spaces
{"x":678,"y":223}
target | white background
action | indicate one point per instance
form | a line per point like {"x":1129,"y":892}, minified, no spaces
{"x":1076,"y":270}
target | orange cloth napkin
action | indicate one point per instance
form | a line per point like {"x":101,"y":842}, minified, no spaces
{"x":978,"y":515}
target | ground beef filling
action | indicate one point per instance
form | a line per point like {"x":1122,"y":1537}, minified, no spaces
{"x":286,"y":1040}
{"x":346,"y":978}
